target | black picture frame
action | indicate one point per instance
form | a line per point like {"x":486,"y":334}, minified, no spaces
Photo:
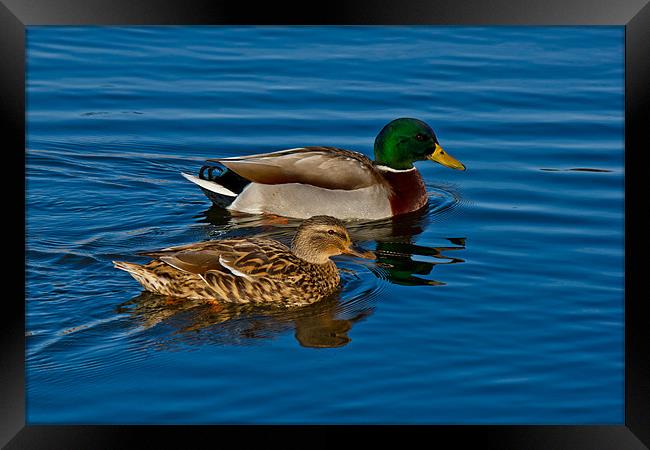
{"x":16,"y":15}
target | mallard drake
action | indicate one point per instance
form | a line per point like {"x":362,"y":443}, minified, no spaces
{"x":308,"y":181}
{"x":251,"y":270}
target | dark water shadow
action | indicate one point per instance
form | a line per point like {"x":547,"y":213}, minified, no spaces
{"x":576,"y":169}
{"x":399,"y":259}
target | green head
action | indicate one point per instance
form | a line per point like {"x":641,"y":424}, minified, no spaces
{"x":404,"y":141}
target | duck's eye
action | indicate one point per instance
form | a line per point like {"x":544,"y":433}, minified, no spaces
{"x":330,"y":232}
{"x":420,"y":137}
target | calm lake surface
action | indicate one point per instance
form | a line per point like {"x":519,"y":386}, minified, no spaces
{"x":500,"y":303}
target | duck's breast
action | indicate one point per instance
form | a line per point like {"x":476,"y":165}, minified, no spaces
{"x":303,"y":201}
{"x":409,"y":192}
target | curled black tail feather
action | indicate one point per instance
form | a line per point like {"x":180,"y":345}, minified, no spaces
{"x":225,"y":177}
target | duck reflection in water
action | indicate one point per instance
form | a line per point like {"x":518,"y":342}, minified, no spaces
{"x":324,"y":324}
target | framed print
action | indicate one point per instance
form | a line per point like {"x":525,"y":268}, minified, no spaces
{"x":423,"y":218}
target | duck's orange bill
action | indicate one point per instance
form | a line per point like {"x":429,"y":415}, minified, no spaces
{"x":359,"y":253}
{"x":444,"y":158}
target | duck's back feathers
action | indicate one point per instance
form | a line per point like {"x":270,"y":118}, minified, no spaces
{"x":240,"y":257}
{"x":193,"y":262}
{"x":325,"y":167}
{"x":254,"y":270}
{"x":308,"y":181}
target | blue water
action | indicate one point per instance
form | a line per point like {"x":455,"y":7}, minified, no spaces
{"x":500,"y":303}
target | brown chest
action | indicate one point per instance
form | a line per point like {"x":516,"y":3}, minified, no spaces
{"x":409,"y":191}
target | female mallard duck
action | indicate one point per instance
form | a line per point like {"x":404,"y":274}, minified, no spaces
{"x":253,"y":270}
{"x":308,"y":181}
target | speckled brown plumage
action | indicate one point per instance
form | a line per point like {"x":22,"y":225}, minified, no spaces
{"x":254,"y":270}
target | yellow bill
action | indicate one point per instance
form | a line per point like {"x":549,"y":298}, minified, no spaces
{"x":444,"y":158}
